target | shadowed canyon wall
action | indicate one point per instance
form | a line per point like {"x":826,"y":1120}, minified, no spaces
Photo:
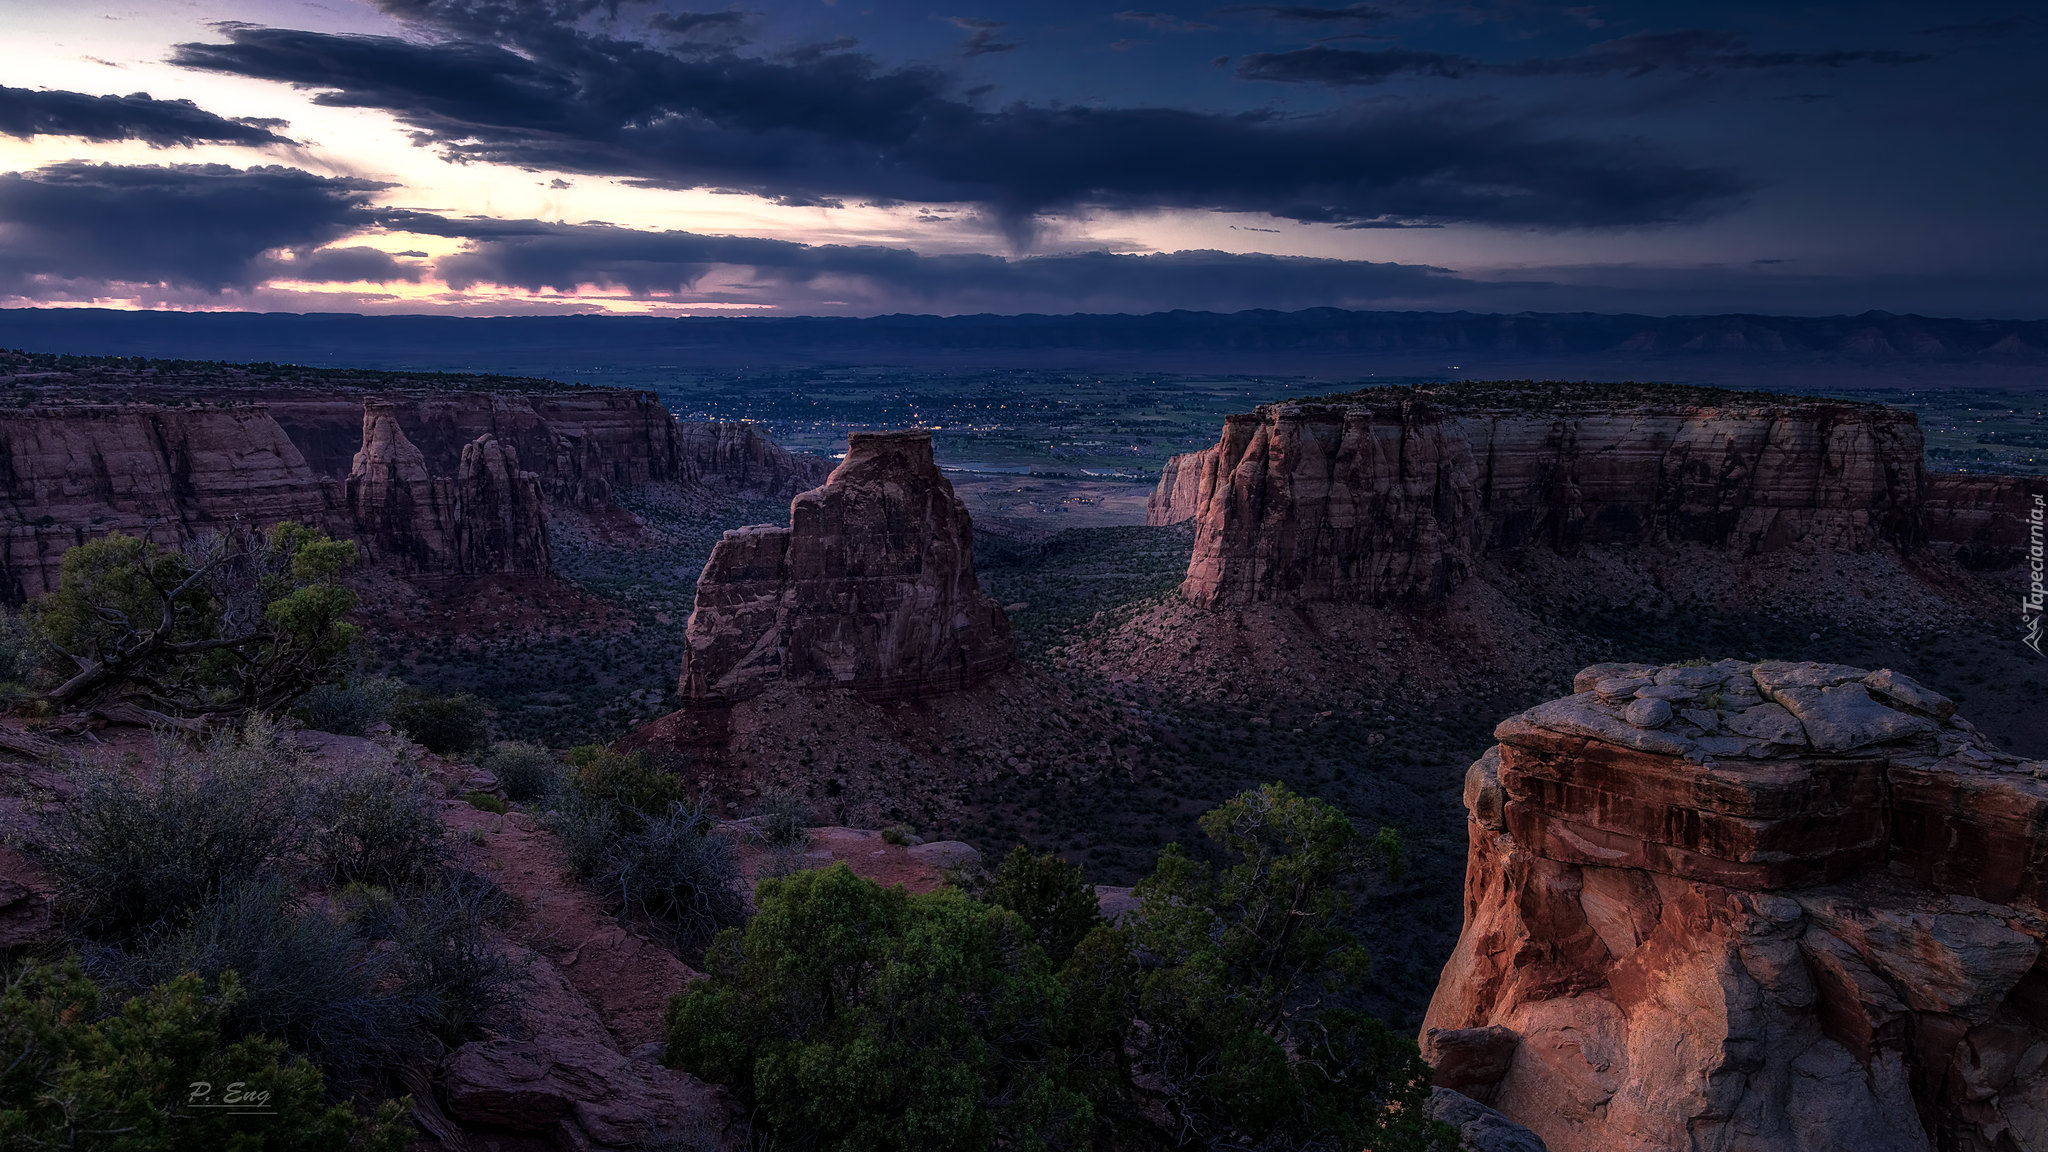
{"x":1393,"y":494}
{"x":871,"y":587}
{"x":1754,"y":908}
{"x":453,"y":483}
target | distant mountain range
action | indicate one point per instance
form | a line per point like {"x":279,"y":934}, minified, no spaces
{"x":1874,"y":348}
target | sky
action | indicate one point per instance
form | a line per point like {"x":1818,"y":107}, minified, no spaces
{"x":859,"y":157}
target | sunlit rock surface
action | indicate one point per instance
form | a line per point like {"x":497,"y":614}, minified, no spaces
{"x":1798,"y":908}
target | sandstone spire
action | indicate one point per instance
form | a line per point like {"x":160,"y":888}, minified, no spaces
{"x":871,"y":587}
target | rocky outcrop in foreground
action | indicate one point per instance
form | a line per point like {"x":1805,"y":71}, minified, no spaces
{"x":1752,"y":908}
{"x":1393,"y":494}
{"x":871,"y":587}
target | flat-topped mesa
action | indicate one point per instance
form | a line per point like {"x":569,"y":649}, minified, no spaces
{"x":487,"y":518}
{"x":871,"y":587}
{"x":1752,"y":907}
{"x":1394,"y":493}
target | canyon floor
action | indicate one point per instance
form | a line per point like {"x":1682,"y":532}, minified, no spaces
{"x":1131,"y":712}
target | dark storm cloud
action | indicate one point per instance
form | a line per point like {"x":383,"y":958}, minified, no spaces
{"x":1345,"y":66}
{"x":830,"y":123}
{"x":345,"y":265}
{"x":163,"y":123}
{"x":981,"y":39}
{"x":1695,"y":50}
{"x":1308,"y":14}
{"x":541,"y":257}
{"x":186,"y":225}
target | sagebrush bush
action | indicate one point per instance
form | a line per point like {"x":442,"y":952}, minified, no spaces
{"x":625,"y":828}
{"x":349,"y":709}
{"x":83,"y":1079}
{"x":674,"y":872}
{"x":448,"y":956}
{"x":129,"y":850}
{"x":527,"y":772}
{"x":587,"y":827}
{"x":444,"y":724}
{"x":380,"y":826}
{"x":306,"y":978}
{"x":628,"y":781}
{"x":782,"y":818}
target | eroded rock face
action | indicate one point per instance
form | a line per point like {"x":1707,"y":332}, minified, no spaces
{"x":1393,"y":494}
{"x":1799,"y":912}
{"x":175,"y":461}
{"x":488,"y":517}
{"x":735,"y":456}
{"x":872,"y":587}
{"x":73,"y":474}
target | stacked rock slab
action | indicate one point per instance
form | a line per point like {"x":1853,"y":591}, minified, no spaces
{"x":871,"y":587}
{"x":487,"y":518}
{"x":1752,"y":908}
{"x":1393,"y":494}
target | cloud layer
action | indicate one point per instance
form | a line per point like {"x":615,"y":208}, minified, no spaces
{"x":828,"y":126}
{"x":165,"y":123}
{"x":204,"y":226}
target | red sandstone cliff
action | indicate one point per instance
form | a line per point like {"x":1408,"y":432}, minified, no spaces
{"x":1393,"y":494}
{"x":487,"y":518}
{"x":461,"y":496}
{"x":871,"y":587}
{"x":74,"y":473}
{"x":1752,"y":908}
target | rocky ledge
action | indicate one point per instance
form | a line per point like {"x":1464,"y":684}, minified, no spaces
{"x":1752,"y":907}
{"x":871,"y":588}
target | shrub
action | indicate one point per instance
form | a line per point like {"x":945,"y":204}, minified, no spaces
{"x":898,"y":834}
{"x":448,"y":958}
{"x":782,"y":819}
{"x":674,"y":873}
{"x":1056,"y":903}
{"x":444,"y":724}
{"x":349,"y":709}
{"x":628,"y":782}
{"x":304,"y":978}
{"x":485,"y":801}
{"x":380,"y":826}
{"x":587,"y":828}
{"x":129,"y":851}
{"x":849,"y":1016}
{"x":127,"y":1081}
{"x":527,"y":772}
{"x":234,"y":623}
{"x":852,"y":1016}
{"x":17,"y":656}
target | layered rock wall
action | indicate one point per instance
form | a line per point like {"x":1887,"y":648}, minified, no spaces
{"x":75,"y":473}
{"x":486,"y":518}
{"x":1752,"y":908}
{"x":871,"y":588}
{"x":440,"y":482}
{"x":1394,"y":496}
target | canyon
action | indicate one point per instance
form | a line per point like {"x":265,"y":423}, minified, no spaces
{"x":1736,"y":906}
{"x":1395,"y":494}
